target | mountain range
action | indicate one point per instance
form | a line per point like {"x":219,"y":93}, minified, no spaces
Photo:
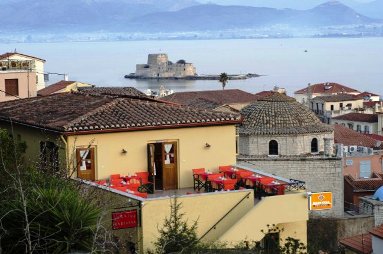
{"x":166,"y":16}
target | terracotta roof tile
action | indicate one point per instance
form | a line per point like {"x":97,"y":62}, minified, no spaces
{"x":370,"y":104}
{"x":366,"y":94}
{"x":76,"y":112}
{"x":378,"y":232}
{"x":368,"y":184}
{"x":113,"y":91}
{"x":327,"y":88}
{"x":337,"y":97}
{"x":212,"y":97}
{"x":359,"y":243}
{"x":280,"y":114}
{"x":54,"y":88}
{"x":348,"y":137}
{"x":358,"y":117}
{"x":375,"y":136}
{"x":9,"y":54}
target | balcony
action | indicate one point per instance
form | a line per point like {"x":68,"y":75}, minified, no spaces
{"x":17,"y":65}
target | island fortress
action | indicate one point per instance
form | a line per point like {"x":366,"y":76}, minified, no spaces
{"x":159,"y":66}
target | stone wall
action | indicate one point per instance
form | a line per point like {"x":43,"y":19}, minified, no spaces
{"x":319,"y":173}
{"x":159,"y":66}
{"x":287,"y":144}
{"x":369,"y":206}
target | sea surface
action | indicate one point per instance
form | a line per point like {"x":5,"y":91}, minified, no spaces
{"x":287,"y":63}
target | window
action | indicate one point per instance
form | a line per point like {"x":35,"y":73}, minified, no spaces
{"x":273,"y":147}
{"x":350,"y":126}
{"x":341,"y":105}
{"x":11,"y":87}
{"x":358,"y":128}
{"x":314,"y":145}
{"x":331,"y":107}
{"x":367,"y":129}
{"x":49,"y":156}
{"x":365,"y":169}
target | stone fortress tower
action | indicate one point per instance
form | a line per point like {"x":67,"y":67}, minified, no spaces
{"x":281,"y":136}
{"x":159,"y":66}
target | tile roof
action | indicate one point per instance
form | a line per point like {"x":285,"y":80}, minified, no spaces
{"x":54,"y":87}
{"x":212,"y":97}
{"x":377,"y":231}
{"x":114,"y":91}
{"x":358,"y":117}
{"x":370,"y":104}
{"x":360,"y":243}
{"x":280,"y":114}
{"x":9,"y":54}
{"x":337,"y":97}
{"x":348,"y":137}
{"x":368,"y":184}
{"x":76,"y":112}
{"x":265,"y":93}
{"x":327,"y":88}
{"x":366,"y":94}
{"x":375,"y":136}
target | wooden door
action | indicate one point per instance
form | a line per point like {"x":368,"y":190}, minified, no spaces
{"x":85,"y":163}
{"x":169,"y":165}
{"x":151,"y":164}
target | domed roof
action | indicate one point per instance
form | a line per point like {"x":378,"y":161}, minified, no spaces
{"x":280,"y":114}
{"x":378,"y":195}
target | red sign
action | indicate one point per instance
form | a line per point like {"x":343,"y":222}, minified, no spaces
{"x":124,"y":219}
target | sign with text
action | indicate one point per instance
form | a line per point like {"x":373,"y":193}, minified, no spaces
{"x":320,"y":201}
{"x":124,"y":219}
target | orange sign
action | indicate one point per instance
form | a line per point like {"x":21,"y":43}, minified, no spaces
{"x":320,"y":201}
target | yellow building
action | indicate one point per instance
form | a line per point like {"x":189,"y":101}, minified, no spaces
{"x":94,"y":136}
{"x":62,"y":86}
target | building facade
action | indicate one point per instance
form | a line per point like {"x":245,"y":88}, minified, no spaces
{"x":362,"y":123}
{"x":21,"y":62}
{"x":285,"y":138}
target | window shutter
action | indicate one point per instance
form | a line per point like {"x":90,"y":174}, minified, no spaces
{"x":11,"y":87}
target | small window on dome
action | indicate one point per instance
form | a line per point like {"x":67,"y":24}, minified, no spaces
{"x":314,"y":145}
{"x":273,"y":147}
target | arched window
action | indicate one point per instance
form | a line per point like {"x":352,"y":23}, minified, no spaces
{"x":273,"y":147}
{"x":314,"y":145}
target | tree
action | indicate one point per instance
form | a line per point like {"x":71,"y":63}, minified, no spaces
{"x":223,"y":78}
{"x":176,"y":236}
{"x":40,"y":212}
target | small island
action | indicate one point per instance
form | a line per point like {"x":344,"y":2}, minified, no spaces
{"x":159,"y":67}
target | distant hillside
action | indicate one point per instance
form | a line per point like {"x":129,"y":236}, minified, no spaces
{"x":79,"y":15}
{"x":54,"y":16}
{"x":213,"y":17}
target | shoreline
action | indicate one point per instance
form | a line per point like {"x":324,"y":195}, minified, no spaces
{"x":197,"y":77}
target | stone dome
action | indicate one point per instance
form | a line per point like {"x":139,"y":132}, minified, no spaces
{"x":279,"y":114}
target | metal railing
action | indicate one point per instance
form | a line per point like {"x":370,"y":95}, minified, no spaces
{"x":224,"y":216}
{"x":296,"y":185}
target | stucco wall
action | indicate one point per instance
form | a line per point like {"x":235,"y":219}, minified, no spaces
{"x":192,"y":152}
{"x":287,"y":145}
{"x":27,"y":84}
{"x":372,"y":127}
{"x":354,"y":169}
{"x":320,"y":174}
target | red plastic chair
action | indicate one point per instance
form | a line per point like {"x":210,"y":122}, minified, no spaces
{"x":116,"y":182}
{"x":198,"y":179}
{"x":146,"y":186}
{"x":101,"y":182}
{"x":115,"y":176}
{"x":229,"y":184}
{"x":210,"y":179}
{"x":133,"y":184}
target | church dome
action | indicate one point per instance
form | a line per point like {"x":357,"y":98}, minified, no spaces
{"x":279,"y":114}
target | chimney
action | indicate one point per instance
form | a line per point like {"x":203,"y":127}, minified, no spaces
{"x":327,"y":147}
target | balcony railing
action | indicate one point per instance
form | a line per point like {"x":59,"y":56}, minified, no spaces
{"x":16,"y":65}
